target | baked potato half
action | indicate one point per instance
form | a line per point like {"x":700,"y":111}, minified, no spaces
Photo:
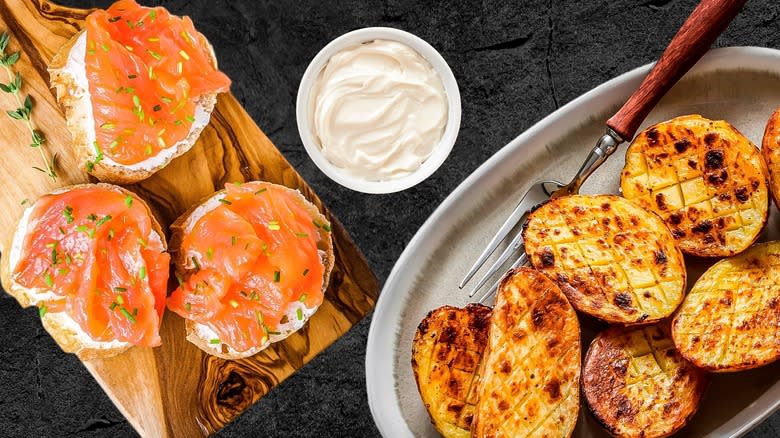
{"x":770,"y":150}
{"x":636,"y":384}
{"x":446,"y":352}
{"x":613,"y":259}
{"x":730,"y":319}
{"x":705,"y":179}
{"x":529,"y":377}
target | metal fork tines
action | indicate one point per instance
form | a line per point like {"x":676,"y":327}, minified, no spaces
{"x":538,"y":193}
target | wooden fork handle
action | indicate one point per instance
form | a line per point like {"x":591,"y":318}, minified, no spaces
{"x":692,"y":41}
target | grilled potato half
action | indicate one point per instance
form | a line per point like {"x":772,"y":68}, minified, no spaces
{"x":637,"y":384}
{"x":445,"y":355}
{"x":705,"y":179}
{"x":529,"y":377}
{"x":770,"y":150}
{"x":730,"y":320}
{"x":613,"y":259}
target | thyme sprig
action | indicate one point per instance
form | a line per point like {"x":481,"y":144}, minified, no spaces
{"x":24,"y":111}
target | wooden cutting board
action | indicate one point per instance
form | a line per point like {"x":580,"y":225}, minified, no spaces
{"x":173,"y":390}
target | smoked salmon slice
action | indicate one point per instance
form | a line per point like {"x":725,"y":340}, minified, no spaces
{"x":96,"y":253}
{"x":146,"y":70}
{"x":245,"y":255}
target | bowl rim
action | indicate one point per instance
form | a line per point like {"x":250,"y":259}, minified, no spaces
{"x":440,"y":152}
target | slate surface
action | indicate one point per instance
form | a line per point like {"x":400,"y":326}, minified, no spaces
{"x":515,"y":62}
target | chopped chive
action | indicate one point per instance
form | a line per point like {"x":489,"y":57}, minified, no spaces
{"x":184,"y":55}
{"x":273,"y":226}
{"x":209,"y":253}
{"x":110,"y":234}
{"x":92,"y":217}
{"x":224,"y":201}
{"x":54,"y":258}
{"x":63,"y":271}
{"x":82,"y":228}
{"x":161,"y":142}
{"x":136,"y":100}
{"x":42,"y":310}
{"x":129,"y":48}
{"x":277,"y":276}
{"x":316,"y":224}
{"x":113,"y":144}
{"x":190,"y":118}
{"x":62,"y":230}
{"x":179,"y":67}
{"x":104,"y":47}
{"x":127,"y":314}
{"x":274,"y":333}
{"x":142,"y":273}
{"x":187,"y":306}
{"x":299,"y":314}
{"x":91,"y":52}
{"x":166,"y":99}
{"x":114,"y":19}
{"x":246,"y":246}
{"x":98,"y":152}
{"x":103,"y":220}
{"x":68,"y":213}
{"x":197,"y":265}
{"x":141,"y":242}
{"x":261,"y":191}
{"x":108,"y":126}
{"x":214,"y":341}
{"x":186,"y":36}
{"x":243,"y":293}
{"x":156,"y":108}
{"x":153,"y":39}
{"x":151,"y":72}
{"x":132,"y":76}
{"x":129,"y":201}
{"x":326,"y":227}
{"x":177,"y":122}
{"x":152,"y":15}
{"x":233,"y":304}
{"x":135,"y":311}
{"x":154,"y":54}
{"x":120,"y":289}
{"x":302,"y":298}
{"x":301,"y":234}
{"x":90,"y":166}
{"x":68,"y":260}
{"x":119,"y":299}
{"x":148,"y":149}
{"x":112,"y":306}
{"x":254,"y":296}
{"x":24,"y":201}
{"x":49,"y":281}
{"x":259,"y":318}
{"x":233,"y":240}
{"x":305,"y":271}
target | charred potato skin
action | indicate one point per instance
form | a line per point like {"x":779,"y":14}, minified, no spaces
{"x":530,"y":371}
{"x":770,"y":150}
{"x":643,"y":282}
{"x":445,"y":356}
{"x":604,"y":383}
{"x":726,"y":324}
{"x":719,"y":172}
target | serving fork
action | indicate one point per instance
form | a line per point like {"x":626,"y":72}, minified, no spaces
{"x":706,"y":22}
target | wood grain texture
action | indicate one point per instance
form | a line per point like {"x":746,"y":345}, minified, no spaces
{"x":176,"y":389}
{"x":706,"y":22}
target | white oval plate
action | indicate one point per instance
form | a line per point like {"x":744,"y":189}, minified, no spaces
{"x":741,"y":85}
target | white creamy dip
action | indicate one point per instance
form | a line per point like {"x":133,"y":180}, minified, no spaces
{"x":378,"y":110}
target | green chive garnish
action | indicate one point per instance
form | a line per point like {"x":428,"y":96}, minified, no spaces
{"x":107,"y":126}
{"x":92,"y":217}
{"x":233,"y":240}
{"x":119,"y":299}
{"x":47,"y":278}
{"x":103,"y":220}
{"x":326,"y":227}
{"x":142,"y":273}
{"x":104,"y":47}
{"x":127,"y":314}
{"x":132,"y":76}
{"x":261,"y":191}
{"x":209,"y":253}
{"x":154,"y":54}
{"x":277,"y":276}
{"x":301,"y":234}
{"x":156,"y":108}
{"x":299,"y":314}
{"x":179,"y":279}
{"x":190,"y":118}
{"x":42,"y":310}
{"x":273,"y":226}
{"x":225,"y":201}
{"x":128,"y":201}
{"x":68,"y":213}
{"x":197,"y":265}
{"x":305,"y":271}
{"x":213,"y":341}
{"x":110,"y":234}
{"x":184,"y":55}
{"x":187,"y":306}
{"x":302,"y":298}
{"x":166,"y":99}
{"x":120,"y":289}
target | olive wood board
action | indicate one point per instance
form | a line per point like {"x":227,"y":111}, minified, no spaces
{"x":175,"y":389}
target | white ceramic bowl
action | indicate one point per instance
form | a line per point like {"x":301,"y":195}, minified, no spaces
{"x":440,"y":152}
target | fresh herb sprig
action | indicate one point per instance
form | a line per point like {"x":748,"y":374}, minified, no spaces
{"x":24,"y":111}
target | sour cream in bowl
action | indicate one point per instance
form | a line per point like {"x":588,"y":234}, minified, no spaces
{"x":378,"y":110}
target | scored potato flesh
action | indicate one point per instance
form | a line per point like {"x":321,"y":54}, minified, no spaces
{"x":613,"y":259}
{"x":730,"y":320}
{"x":446,"y":352}
{"x":637,"y":384}
{"x":704,"y":178}
{"x":770,"y":150}
{"x":529,"y":377}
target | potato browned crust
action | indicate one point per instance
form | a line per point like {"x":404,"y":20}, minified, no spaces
{"x":705,"y":179}
{"x":75,"y":105}
{"x":530,"y":372}
{"x":179,"y":260}
{"x":445,"y":355}
{"x":770,"y":150}
{"x":637,"y":384}
{"x":729,"y":321}
{"x":65,"y":337}
{"x":613,"y":259}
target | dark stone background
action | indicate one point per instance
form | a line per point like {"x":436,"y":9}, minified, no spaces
{"x":515,"y":62}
